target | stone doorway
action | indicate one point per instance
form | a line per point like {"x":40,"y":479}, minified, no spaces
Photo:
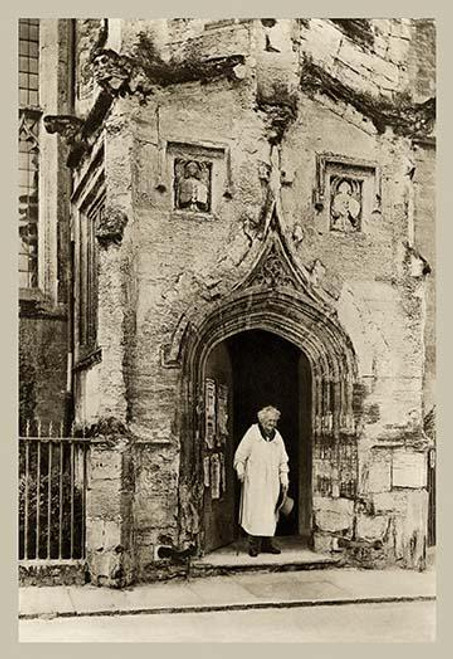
{"x":258,"y":368}
{"x":327,"y":371}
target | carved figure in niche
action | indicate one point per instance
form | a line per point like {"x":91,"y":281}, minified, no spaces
{"x":193,"y":185}
{"x":345,"y":204}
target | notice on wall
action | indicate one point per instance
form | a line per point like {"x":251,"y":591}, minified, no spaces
{"x":215,"y":476}
{"x":210,"y":412}
{"x":409,"y":469}
{"x":222,"y":413}
{"x":223,"y":473}
{"x":207,"y":471}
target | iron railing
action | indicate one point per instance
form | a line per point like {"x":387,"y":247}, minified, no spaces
{"x":52,"y":497}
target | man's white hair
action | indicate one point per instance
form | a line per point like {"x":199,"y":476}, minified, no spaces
{"x":267,"y":413}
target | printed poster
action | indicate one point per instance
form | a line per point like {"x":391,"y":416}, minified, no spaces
{"x":215,"y":476}
{"x":210,"y":412}
{"x":206,"y":471}
{"x":222,"y":413}
{"x":223,"y":473}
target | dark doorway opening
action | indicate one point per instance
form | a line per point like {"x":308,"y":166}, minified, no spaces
{"x":268,"y":370}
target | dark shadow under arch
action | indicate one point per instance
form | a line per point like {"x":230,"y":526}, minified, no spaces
{"x":269,"y":370}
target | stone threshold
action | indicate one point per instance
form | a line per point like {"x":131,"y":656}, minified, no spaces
{"x":234,"y":558}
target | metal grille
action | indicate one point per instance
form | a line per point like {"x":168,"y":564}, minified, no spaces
{"x":52,"y":497}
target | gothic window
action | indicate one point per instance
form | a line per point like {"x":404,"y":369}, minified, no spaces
{"x":87,"y":277}
{"x":29,"y":117}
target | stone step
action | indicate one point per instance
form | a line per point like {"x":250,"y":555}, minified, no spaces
{"x":234,"y":559}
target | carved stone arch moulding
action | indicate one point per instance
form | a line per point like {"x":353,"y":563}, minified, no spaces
{"x":275,"y":269}
{"x":280,"y":296}
{"x":291,"y":315}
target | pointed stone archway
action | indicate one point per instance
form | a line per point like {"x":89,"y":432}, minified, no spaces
{"x":276,"y":296}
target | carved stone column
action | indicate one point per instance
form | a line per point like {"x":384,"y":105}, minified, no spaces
{"x":110,"y":533}
{"x":114,"y":271}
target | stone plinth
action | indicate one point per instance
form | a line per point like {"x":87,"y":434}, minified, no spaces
{"x":109,"y":531}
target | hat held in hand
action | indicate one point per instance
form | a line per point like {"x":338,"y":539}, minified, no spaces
{"x":285,"y":504}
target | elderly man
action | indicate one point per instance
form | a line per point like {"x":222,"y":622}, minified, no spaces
{"x":261,"y":464}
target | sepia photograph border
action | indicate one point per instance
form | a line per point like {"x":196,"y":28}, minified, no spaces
{"x":443,"y":15}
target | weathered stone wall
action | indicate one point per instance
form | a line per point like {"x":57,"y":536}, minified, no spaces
{"x":297,"y":92}
{"x":109,"y":526}
{"x":89,"y":34}
{"x":425,"y":241}
{"x":42,"y":370}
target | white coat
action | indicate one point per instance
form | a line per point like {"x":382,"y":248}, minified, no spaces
{"x":262,"y":466}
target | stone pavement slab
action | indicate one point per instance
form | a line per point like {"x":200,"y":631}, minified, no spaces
{"x":256,"y":590}
{"x":45,"y":600}
{"x":89,"y":599}
{"x":162,"y":595}
{"x":384,"y":583}
{"x":285,"y":589}
{"x":221,"y":590}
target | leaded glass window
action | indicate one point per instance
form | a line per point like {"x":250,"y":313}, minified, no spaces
{"x":29,"y":118}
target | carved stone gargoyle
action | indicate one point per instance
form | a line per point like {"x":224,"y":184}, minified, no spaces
{"x":111,"y":71}
{"x":70,"y":128}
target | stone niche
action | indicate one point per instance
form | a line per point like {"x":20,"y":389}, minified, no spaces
{"x":347,"y":193}
{"x":195,"y":176}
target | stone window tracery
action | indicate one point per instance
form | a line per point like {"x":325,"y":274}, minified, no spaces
{"x":28,"y":144}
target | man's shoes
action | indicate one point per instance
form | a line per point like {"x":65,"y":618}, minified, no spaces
{"x":271,"y":549}
{"x":253,"y":552}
